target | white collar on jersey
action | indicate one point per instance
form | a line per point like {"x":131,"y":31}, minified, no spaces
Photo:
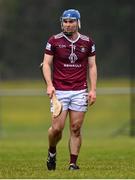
{"x":70,"y":39}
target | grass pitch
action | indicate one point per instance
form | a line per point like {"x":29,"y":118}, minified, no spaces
{"x":110,"y":158}
{"x":107,"y":150}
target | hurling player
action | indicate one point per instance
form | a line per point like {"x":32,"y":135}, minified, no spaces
{"x":69,"y":57}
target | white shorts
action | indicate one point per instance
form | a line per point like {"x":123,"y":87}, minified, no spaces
{"x":73,"y":100}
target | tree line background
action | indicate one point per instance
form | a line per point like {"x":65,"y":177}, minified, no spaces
{"x":25,"y":27}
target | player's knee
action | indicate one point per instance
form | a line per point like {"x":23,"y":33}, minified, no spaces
{"x":76,"y":130}
{"x":56,"y":131}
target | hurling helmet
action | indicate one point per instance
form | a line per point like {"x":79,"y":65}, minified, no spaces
{"x":71,"y":14}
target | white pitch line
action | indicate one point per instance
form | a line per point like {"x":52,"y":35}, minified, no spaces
{"x":41,"y":92}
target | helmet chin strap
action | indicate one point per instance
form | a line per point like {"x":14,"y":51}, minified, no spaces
{"x":68,"y":33}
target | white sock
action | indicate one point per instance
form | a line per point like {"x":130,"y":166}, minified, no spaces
{"x":51,"y":154}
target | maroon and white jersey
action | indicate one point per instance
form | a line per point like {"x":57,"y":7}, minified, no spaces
{"x":70,"y":60}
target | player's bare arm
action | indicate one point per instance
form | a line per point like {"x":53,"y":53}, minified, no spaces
{"x":93,"y":79}
{"x":47,"y":62}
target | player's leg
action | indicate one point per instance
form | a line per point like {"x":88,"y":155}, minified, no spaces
{"x":55,"y":131}
{"x":58,"y":123}
{"x":76,"y":120}
{"x":78,"y":107}
{"x":54,"y":136}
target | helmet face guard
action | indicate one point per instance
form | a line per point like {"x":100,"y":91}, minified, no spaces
{"x":71,"y":14}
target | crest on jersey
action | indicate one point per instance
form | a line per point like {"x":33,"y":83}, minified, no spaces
{"x":82,"y":49}
{"x":73,"y":57}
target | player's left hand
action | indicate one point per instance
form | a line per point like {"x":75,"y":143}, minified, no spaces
{"x":92,"y":97}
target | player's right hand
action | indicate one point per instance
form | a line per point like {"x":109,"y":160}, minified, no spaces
{"x":50,"y":91}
